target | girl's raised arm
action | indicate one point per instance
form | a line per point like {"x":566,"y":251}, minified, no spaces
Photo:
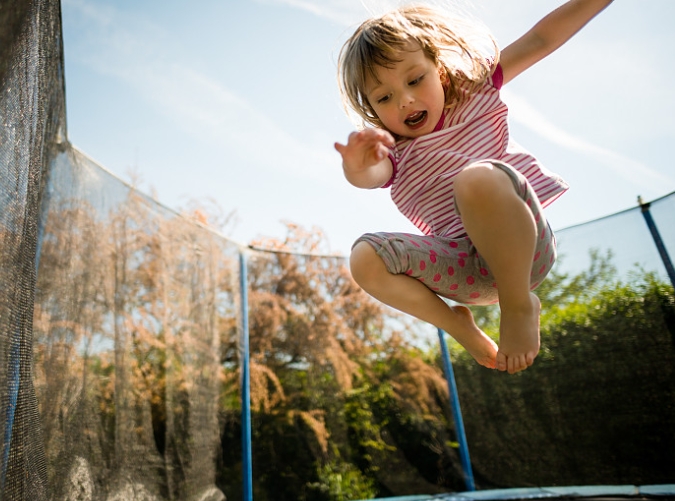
{"x":548,"y":34}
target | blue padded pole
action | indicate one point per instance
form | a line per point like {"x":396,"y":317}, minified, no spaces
{"x":14,"y":372}
{"x":13,"y":383}
{"x":658,"y":240}
{"x":457,"y":414}
{"x":247,"y":462}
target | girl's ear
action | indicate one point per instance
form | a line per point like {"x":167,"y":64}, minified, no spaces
{"x":443,"y":74}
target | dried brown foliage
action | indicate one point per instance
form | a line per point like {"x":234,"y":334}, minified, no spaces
{"x":137,"y":325}
{"x":128,"y":314}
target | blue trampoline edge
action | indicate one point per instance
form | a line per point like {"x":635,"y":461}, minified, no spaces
{"x":586,"y":491}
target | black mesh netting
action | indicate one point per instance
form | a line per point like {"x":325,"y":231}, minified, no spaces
{"x":130,"y":305}
{"x":120,"y":325}
{"x":33,"y":117}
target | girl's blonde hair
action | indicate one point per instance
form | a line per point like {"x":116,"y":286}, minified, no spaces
{"x":453,"y":44}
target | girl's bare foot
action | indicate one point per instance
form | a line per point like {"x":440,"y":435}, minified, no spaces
{"x":474,"y":340}
{"x":519,"y":336}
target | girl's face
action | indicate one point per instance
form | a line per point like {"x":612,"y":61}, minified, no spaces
{"x":408,"y":97}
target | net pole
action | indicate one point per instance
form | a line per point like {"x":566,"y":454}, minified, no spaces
{"x":14,"y":373}
{"x":656,"y":236}
{"x":457,"y":414}
{"x":247,"y":474}
{"x":13,"y":383}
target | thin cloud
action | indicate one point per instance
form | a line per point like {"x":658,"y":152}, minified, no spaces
{"x":353,"y":12}
{"x":635,"y":172}
{"x":197,"y":103}
{"x":342,"y":12}
{"x":101,"y":15}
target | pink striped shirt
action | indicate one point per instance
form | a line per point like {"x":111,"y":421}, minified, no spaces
{"x":475,"y":129}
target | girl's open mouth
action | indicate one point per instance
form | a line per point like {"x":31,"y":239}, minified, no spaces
{"x":416,"y":119}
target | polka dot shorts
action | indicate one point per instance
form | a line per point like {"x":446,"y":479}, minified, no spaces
{"x":452,"y":268}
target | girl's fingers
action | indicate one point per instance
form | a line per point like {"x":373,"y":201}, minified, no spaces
{"x":376,"y":135}
{"x":371,"y":138}
{"x":382,"y":136}
{"x":374,"y":143}
{"x":382,"y":152}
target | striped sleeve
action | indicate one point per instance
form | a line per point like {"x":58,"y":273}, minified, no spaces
{"x":393,"y":171}
{"x":498,"y":77}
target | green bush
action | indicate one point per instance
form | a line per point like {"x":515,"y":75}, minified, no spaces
{"x":598,"y":406}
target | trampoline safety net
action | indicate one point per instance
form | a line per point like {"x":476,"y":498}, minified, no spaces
{"x":121,"y":329}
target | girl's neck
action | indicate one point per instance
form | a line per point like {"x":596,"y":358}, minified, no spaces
{"x":439,"y":125}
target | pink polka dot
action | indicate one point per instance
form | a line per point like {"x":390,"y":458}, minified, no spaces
{"x":432,"y":256}
{"x":454,"y":245}
{"x":445,"y":252}
{"x":414,"y":243}
{"x":551,"y":260}
{"x":423,"y":265}
{"x":543,"y":233}
{"x":484,"y":272}
{"x":547,"y":248}
{"x":474,"y":295}
{"x":421,"y":279}
{"x":537,"y":217}
{"x":451,"y":271}
{"x":529,"y":202}
{"x":470,"y":280}
{"x":463,"y":254}
{"x":536,"y":284}
{"x":494,"y":284}
{"x":542,"y":269}
{"x":434,"y":288}
{"x":437,"y":277}
{"x":454,"y":287}
{"x":427,"y":242}
{"x":461,"y":263}
{"x":409,"y":272}
{"x":536,"y":256}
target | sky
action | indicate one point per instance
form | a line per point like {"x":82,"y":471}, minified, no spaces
{"x":234,"y":104}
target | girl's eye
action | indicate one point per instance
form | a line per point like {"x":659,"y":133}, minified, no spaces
{"x":383,"y":99}
{"x":416,"y":81}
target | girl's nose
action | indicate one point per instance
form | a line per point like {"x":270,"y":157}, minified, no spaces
{"x":406,"y":99}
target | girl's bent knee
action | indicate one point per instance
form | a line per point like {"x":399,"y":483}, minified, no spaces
{"x":364,"y":263}
{"x":480,"y":181}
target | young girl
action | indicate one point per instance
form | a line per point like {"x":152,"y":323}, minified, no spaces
{"x":438,"y":137}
